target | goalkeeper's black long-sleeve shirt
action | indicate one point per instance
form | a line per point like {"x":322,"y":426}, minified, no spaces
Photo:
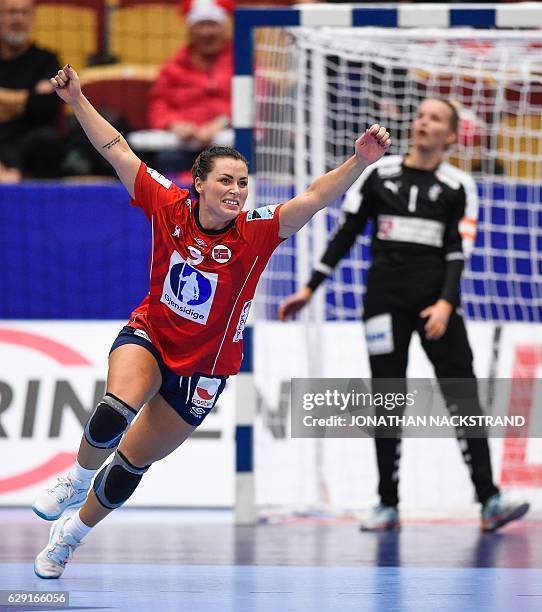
{"x":423,"y":221}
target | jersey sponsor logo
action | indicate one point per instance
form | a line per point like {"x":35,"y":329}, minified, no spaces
{"x":176,"y":232}
{"x":434,"y":192}
{"x":221,"y":253}
{"x":410,"y":229}
{"x":265,"y":212}
{"x":200,"y":242}
{"x":205,"y":392}
{"x":188,"y":292}
{"x":159,"y":178}
{"x":393,"y":186}
{"x":238,"y":336}
{"x":379,"y":334}
{"x":196,"y":256}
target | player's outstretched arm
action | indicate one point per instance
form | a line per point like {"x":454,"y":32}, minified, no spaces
{"x":325,"y":190}
{"x":103,"y":136}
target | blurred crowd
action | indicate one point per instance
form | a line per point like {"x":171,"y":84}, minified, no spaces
{"x":186,"y":108}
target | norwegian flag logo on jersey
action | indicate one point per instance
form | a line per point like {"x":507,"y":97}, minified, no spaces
{"x":221,"y":253}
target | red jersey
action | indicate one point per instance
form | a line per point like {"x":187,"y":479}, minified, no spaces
{"x":202,"y":281}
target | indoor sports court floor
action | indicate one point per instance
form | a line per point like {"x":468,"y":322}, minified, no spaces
{"x":198,"y":561}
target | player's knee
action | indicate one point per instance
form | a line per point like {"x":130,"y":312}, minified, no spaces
{"x":107,"y":424}
{"x":117,"y":481}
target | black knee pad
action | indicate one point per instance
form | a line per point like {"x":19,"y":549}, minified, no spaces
{"x":117,"y":481}
{"x":107,"y":424}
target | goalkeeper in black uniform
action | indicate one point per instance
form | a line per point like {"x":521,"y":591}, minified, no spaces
{"x":424,"y":214}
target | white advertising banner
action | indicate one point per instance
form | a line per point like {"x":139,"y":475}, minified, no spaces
{"x":342,"y":472}
{"x":52,"y":374}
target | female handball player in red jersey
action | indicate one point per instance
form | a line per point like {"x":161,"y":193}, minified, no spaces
{"x":172,"y":359}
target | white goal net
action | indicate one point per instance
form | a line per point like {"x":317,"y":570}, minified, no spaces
{"x":316,"y":90}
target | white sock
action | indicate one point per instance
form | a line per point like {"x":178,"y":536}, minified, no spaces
{"x":82,"y":474}
{"x":75,"y":527}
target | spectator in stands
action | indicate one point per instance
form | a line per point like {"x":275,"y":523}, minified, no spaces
{"x":191,"y":97}
{"x":28,"y":104}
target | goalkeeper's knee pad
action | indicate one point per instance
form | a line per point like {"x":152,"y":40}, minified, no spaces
{"x":107,"y":424}
{"x":117,"y":480}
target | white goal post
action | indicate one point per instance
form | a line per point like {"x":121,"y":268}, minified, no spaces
{"x":307,"y":80}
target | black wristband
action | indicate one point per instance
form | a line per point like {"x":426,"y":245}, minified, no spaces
{"x":316,"y":280}
{"x":452,"y":279}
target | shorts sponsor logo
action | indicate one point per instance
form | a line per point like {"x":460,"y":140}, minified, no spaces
{"x":265,"y":212}
{"x":142,"y":334}
{"x":188,"y":292}
{"x":197,"y":412}
{"x":221,"y":253}
{"x":205,"y":393}
{"x":238,"y":336}
{"x":196,"y":256}
{"x":379,"y":334}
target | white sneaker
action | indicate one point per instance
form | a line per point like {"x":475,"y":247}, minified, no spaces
{"x":51,"y":561}
{"x":500,"y":509}
{"x":66,"y":493}
{"x":382,"y":518}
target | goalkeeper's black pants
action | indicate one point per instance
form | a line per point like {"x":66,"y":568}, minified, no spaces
{"x":451,"y":357}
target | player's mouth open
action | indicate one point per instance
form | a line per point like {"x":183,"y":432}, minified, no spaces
{"x":231,"y":203}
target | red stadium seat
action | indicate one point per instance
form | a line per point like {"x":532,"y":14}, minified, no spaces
{"x":121,"y":88}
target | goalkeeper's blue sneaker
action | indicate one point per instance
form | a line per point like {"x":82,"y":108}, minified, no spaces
{"x":382,"y":518}
{"x":500,"y":510}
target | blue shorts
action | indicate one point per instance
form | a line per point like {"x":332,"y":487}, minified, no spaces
{"x":192,"y":397}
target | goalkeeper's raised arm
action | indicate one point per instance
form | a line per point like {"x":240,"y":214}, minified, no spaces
{"x":103,"y":136}
{"x":369,"y":147}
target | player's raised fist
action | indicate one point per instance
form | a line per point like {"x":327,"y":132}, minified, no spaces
{"x":373,"y":144}
{"x":67,"y":85}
